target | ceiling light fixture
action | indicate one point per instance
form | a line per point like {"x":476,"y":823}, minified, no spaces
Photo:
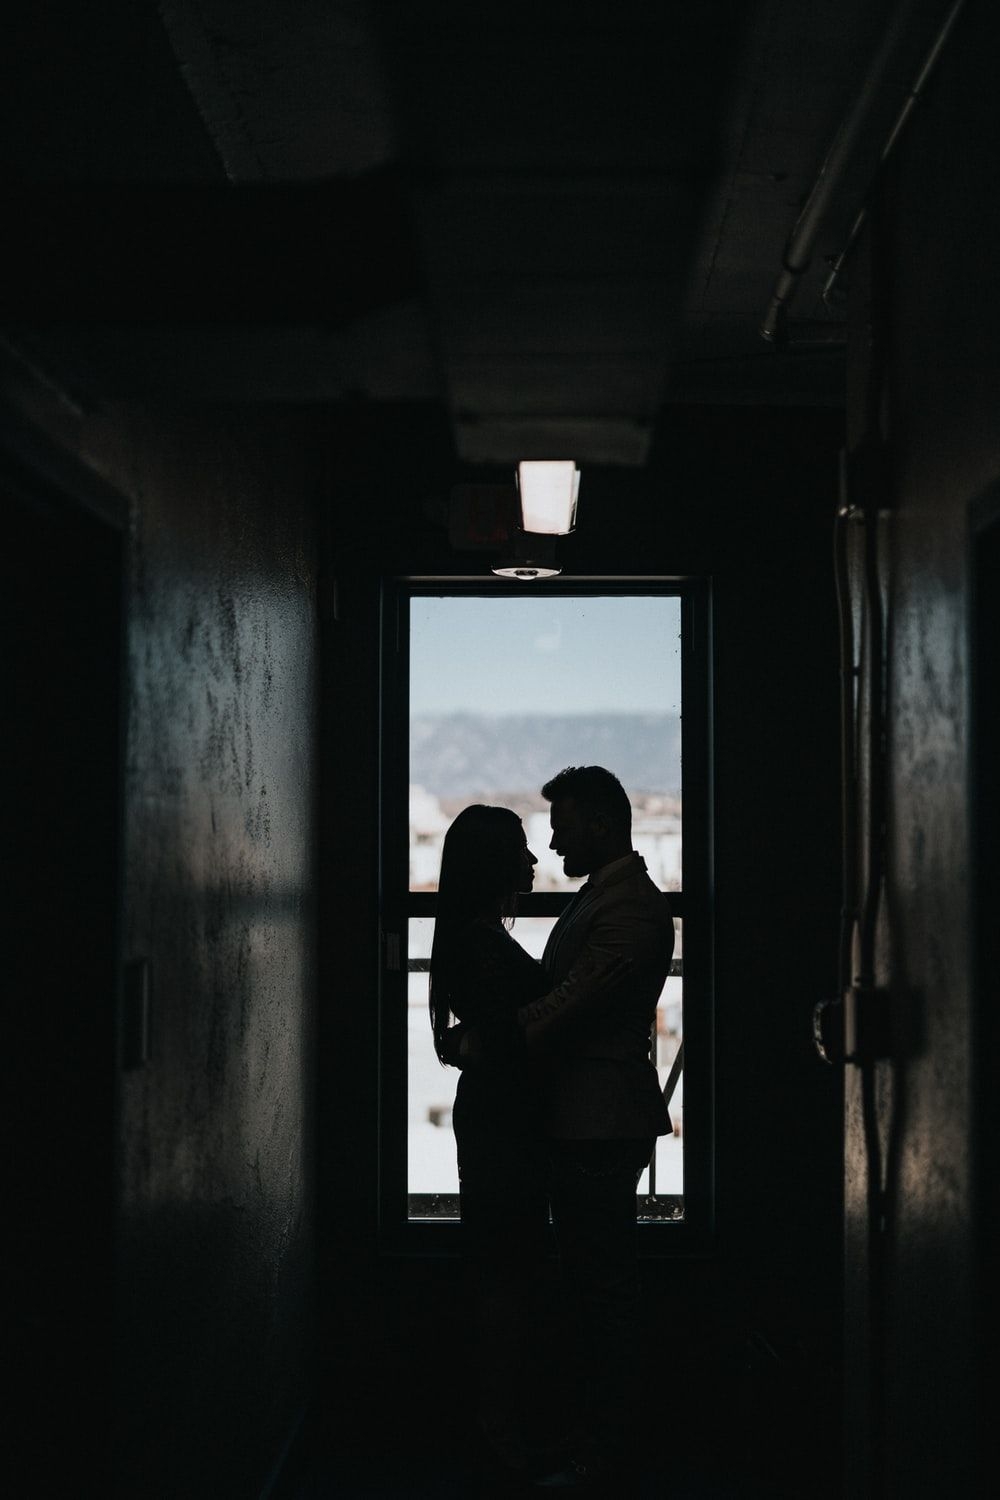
{"x":547,"y":490}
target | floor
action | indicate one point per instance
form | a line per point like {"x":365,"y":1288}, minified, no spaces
{"x":391,"y":1439}
{"x":460,"y":1477}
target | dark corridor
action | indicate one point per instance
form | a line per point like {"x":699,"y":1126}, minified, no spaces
{"x":284,"y":286}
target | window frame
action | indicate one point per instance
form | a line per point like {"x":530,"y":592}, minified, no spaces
{"x":397,"y":1232}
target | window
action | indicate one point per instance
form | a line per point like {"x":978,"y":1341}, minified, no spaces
{"x":488,"y":692}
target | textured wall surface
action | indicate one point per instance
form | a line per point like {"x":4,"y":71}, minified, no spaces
{"x":215,"y":1191}
{"x":943,"y":392}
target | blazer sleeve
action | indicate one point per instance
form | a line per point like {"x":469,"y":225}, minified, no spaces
{"x":621,"y":942}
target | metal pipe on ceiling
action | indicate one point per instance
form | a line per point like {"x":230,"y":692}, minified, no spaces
{"x":842,"y":154}
{"x":912,"y":99}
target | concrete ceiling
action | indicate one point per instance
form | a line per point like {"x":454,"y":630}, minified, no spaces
{"x":555,"y":218}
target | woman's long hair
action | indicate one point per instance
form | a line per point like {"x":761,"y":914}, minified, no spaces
{"x":480,"y":872}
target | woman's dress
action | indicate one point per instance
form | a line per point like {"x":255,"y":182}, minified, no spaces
{"x":501,"y":1158}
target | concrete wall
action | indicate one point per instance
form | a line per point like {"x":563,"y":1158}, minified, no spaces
{"x":216,"y":1132}
{"x":214,"y":1163}
{"x":912,"y":1374}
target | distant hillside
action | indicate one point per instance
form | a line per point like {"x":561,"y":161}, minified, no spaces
{"x":475,"y":754}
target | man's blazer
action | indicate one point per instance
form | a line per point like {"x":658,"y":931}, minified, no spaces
{"x":607,"y":959}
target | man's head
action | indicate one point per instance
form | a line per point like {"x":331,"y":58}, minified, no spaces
{"x":591,"y":818}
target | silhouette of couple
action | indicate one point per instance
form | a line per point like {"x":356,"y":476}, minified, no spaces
{"x":557,"y":1108}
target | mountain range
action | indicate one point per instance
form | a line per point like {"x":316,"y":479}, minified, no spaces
{"x":478,"y":754}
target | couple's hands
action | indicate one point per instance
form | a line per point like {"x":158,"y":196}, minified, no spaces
{"x":464,"y":1046}
{"x":470,"y":1048}
{"x":452,"y":1044}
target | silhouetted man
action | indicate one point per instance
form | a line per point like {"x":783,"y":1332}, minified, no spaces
{"x":607,"y":959}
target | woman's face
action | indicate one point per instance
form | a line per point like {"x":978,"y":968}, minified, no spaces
{"x":526,"y":870}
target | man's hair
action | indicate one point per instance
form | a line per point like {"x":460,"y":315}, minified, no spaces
{"x":593,"y":789}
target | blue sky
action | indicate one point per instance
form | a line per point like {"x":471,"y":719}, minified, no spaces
{"x":590,"y":654}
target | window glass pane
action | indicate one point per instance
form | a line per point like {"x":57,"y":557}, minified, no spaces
{"x":668,"y":1167}
{"x":431,"y":1164}
{"x":506,"y":691}
{"x":533,"y":933}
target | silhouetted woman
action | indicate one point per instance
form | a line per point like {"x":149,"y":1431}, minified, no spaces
{"x":480,"y":976}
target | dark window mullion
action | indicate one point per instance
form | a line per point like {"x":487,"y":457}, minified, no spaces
{"x":697,"y":1030}
{"x":392,"y":936}
{"x":537,"y":904}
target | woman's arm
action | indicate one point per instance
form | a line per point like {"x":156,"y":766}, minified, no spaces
{"x":498,"y":977}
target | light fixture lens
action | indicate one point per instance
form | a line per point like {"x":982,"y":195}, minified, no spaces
{"x":548,"y":489}
{"x":527,"y":571}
